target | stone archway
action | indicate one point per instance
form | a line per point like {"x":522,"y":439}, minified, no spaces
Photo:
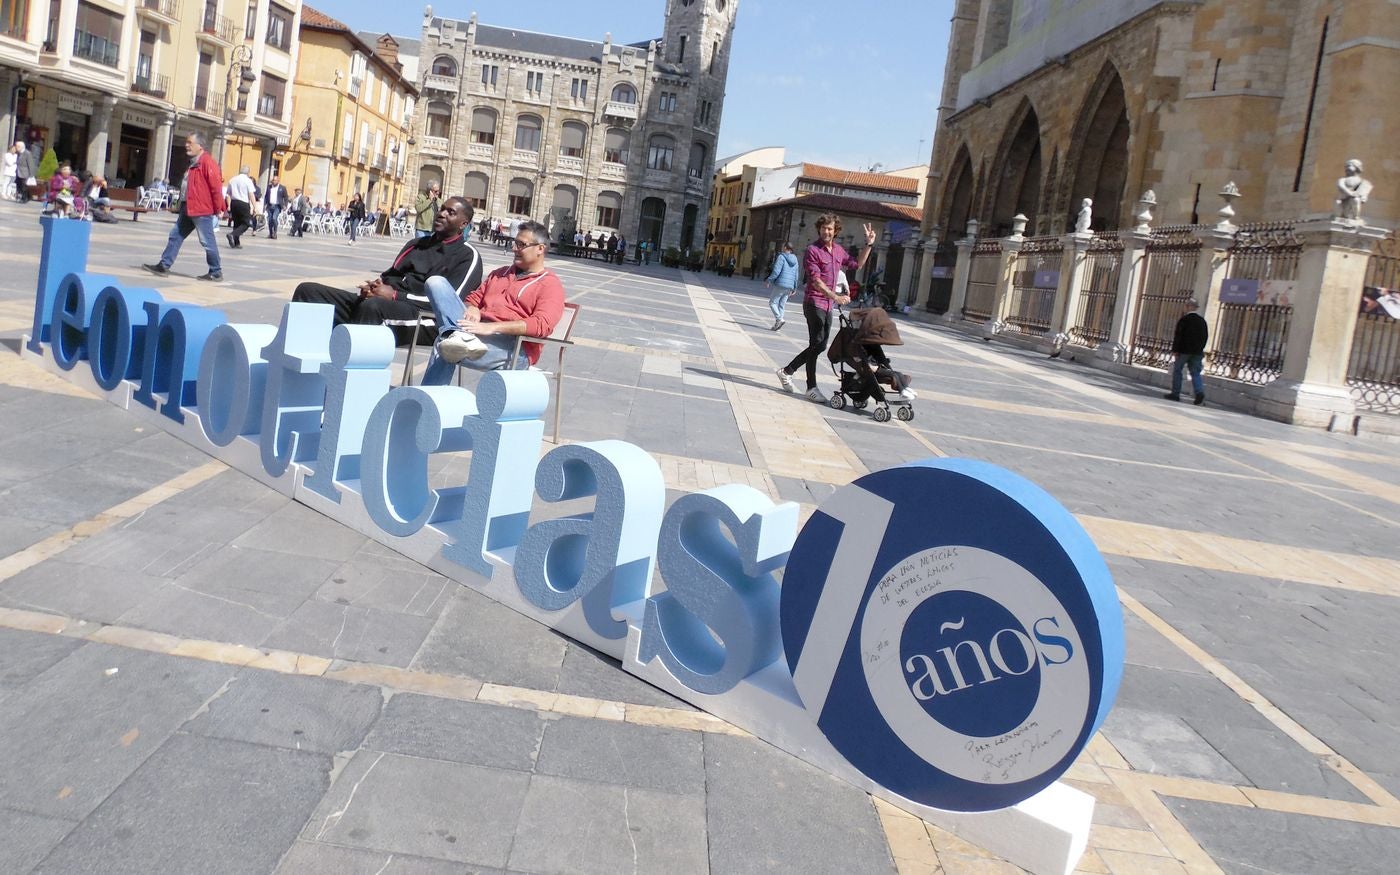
{"x":1100,"y":169}
{"x":1018,"y":177}
{"x":957,"y":197}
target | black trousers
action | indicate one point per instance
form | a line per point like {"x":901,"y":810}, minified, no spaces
{"x":351,"y":308}
{"x":298,"y":223}
{"x":818,"y":330}
{"x":242,"y":218}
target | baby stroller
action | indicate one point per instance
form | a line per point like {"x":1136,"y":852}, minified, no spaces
{"x":858,"y":360}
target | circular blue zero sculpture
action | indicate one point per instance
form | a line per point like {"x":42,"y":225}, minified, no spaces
{"x":953,"y":631}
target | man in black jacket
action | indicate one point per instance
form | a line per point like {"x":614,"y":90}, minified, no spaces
{"x":274,"y":201}
{"x":398,"y":292}
{"x":1189,"y":344}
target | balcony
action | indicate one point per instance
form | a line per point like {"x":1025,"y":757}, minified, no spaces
{"x":610,"y":170}
{"x":164,"y":11}
{"x":95,"y":49}
{"x":207,"y":102}
{"x":695,"y":184}
{"x":570,"y":164}
{"x":433,"y":146}
{"x":481,"y":151}
{"x":156,"y":85}
{"x":364,"y":155}
{"x":615,"y":109}
{"x":445,"y":84}
{"x":522,"y":158}
{"x":216,"y":29}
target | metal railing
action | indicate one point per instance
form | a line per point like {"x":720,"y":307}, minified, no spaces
{"x":1098,"y":291}
{"x":210,"y":102}
{"x":1248,"y":339}
{"x":940,"y":290}
{"x":982,"y":281}
{"x":1265,"y":251}
{"x":1034,"y":281}
{"x":168,"y":8}
{"x":219,"y":26}
{"x":1373,"y":372}
{"x":94,"y":48}
{"x":156,"y":85}
{"x":1168,"y":282}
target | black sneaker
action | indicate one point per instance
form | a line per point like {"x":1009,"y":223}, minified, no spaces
{"x":231,"y":242}
{"x":1200,"y":399}
{"x":211,"y":277}
{"x":158,"y":269}
{"x":1172,"y":396}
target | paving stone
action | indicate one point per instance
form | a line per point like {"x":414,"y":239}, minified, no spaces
{"x":301,"y":531}
{"x":668,"y":760}
{"x":26,"y":838}
{"x":586,"y":672}
{"x":346,"y":632}
{"x":479,"y":638}
{"x":461,"y":732}
{"x":26,"y":655}
{"x":299,"y":713}
{"x":165,"y":541}
{"x":77,"y":731}
{"x":316,"y":858}
{"x":376,"y":578}
{"x":83,"y":591}
{"x":582,"y":827}
{"x":1163,"y":744}
{"x":1273,"y":761}
{"x":426,"y":808}
{"x":198,"y":805}
{"x":816,"y":824}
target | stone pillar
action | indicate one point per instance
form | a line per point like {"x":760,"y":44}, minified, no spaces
{"x":882,"y":255}
{"x":923,"y":299}
{"x":8,"y":82}
{"x":100,"y":125}
{"x":1312,"y":389}
{"x":1210,"y":270}
{"x":1010,"y":251}
{"x":961,"y":273}
{"x":1067,"y":292}
{"x":1118,"y":347}
{"x":906,"y":273}
{"x":160,"y":150}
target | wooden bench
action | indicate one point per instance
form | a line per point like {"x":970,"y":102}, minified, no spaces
{"x":125,"y":199}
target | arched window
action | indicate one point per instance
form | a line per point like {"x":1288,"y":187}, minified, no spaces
{"x":565,"y":200}
{"x":661,"y":152}
{"x":698,"y":154}
{"x":428,"y":174}
{"x":484,"y":126}
{"x":616,"y":145}
{"x":475,"y":189}
{"x":527,"y":133}
{"x":520,"y":197}
{"x":445,"y":65}
{"x":440,"y":119}
{"x":609,"y":213}
{"x":571,"y":142}
{"x":624,"y":93}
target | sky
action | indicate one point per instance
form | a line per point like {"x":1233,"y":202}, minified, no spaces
{"x":846,"y":83}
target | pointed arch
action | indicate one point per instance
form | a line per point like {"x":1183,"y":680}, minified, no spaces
{"x":958,"y":195}
{"x":1097,"y":165}
{"x":1018,"y":178}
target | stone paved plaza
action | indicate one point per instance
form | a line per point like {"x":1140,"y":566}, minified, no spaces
{"x":198,"y":675}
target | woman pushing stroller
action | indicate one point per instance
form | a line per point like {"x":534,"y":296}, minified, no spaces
{"x":822,"y":262}
{"x":859,"y":361}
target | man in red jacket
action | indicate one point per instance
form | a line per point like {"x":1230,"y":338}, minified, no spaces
{"x":200,"y":206}
{"x":522,"y":298}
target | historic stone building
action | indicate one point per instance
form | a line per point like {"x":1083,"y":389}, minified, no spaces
{"x":594,"y":135}
{"x":1047,"y":102}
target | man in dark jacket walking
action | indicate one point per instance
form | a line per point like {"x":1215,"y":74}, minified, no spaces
{"x":200,"y":206}
{"x":1189,"y":345}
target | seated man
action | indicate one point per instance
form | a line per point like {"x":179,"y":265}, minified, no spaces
{"x":399,"y":293}
{"x":522,"y":298}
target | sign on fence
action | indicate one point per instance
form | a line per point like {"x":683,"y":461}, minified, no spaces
{"x":1239,"y":291}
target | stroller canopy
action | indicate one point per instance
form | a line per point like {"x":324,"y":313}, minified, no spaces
{"x":875,"y":326}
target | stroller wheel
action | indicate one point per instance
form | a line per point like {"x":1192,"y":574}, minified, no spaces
{"x":860,"y":405}
{"x":905,"y":413}
{"x":837,"y":401}
{"x":882,"y":414}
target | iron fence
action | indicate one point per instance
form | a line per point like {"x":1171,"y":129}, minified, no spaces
{"x":1168,"y":283}
{"x":940,"y":290}
{"x":1098,"y":292}
{"x":1034,"y":280}
{"x":1248,"y":340}
{"x":982,"y":281}
{"x":1373,"y":373}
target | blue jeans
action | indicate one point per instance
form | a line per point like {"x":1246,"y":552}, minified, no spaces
{"x":1192,"y":363}
{"x":777,"y":302}
{"x":273,"y":211}
{"x":447,"y":310}
{"x":183,"y":226}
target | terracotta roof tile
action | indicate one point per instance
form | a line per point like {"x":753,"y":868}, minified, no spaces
{"x":850,"y":206}
{"x":859,"y":179}
{"x":316,"y":18}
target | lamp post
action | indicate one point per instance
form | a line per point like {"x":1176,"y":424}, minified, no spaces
{"x":305,"y":137}
{"x":240,"y":61}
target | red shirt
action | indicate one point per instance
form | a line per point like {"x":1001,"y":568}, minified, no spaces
{"x":537,"y":299}
{"x":204,"y":188}
{"x":822,"y":265}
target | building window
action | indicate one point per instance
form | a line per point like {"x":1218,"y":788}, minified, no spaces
{"x":488,"y":76}
{"x":483,"y":127}
{"x":572,"y":139}
{"x":661,"y":152}
{"x":609,"y":213}
{"x":706,"y":111}
{"x":714,"y":53}
{"x":279,"y":27}
{"x":475,"y":189}
{"x":534,"y":83}
{"x":527,"y":133}
{"x":521,"y":194}
{"x":444,"y":65}
{"x":666,"y":102}
{"x":578,"y":89}
{"x":680,"y":52}
{"x":14,"y":18}
{"x":698,"y":154}
{"x":624,"y":93}
{"x":98,"y":35}
{"x":615,"y":146}
{"x":270,"y":100}
{"x":250,"y":22}
{"x":440,"y":119}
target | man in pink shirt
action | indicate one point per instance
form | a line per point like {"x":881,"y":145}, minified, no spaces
{"x":822,"y":262}
{"x":480,"y":331}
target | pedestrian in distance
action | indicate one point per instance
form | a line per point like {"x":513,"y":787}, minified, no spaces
{"x":9,"y":172}
{"x":357,"y":215}
{"x":26,"y":165}
{"x":1189,"y":345}
{"x":301,"y":204}
{"x":784,"y":276}
{"x":200,"y":206}
{"x":425,"y":210}
{"x":274,"y":201}
{"x":242,"y":198}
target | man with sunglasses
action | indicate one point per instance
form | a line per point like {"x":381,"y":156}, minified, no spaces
{"x":400,"y":292}
{"x":480,"y":331}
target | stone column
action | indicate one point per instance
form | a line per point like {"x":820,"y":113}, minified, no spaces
{"x":100,"y":125}
{"x":1010,"y":251}
{"x":961,"y":273}
{"x":1312,"y":389}
{"x":882,"y":255}
{"x":907,"y":269}
{"x":1210,"y":270}
{"x":160,"y":149}
{"x":1118,"y":347}
{"x":1067,"y":292}
{"x":922,"y":299}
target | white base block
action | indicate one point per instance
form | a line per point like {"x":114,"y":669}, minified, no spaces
{"x":1308,"y":404}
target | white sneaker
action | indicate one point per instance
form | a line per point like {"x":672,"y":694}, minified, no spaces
{"x":816,"y":395}
{"x":908,"y":394}
{"x":461,"y":346}
{"x":785,"y":380}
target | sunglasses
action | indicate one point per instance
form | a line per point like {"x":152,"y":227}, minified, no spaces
{"x":521,"y":245}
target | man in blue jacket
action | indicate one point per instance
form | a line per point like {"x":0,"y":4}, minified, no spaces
{"x":784,"y":275}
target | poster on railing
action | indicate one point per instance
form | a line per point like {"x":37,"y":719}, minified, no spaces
{"x":1380,"y":301}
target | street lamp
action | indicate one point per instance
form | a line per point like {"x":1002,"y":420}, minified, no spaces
{"x":241,"y":60}
{"x":305,"y":137}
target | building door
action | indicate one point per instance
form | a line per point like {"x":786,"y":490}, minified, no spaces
{"x":72,"y":141}
{"x":689,"y":217}
{"x":133,"y":155}
{"x":652,"y":222}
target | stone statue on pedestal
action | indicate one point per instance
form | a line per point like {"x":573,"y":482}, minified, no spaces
{"x":1086,"y":216}
{"x":1354,"y":191}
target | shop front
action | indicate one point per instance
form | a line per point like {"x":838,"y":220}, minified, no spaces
{"x":134,"y":164}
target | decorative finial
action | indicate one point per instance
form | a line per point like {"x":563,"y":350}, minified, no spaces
{"x":1228,"y":194}
{"x":1144,"y":215}
{"x":1018,"y":225}
{"x":972,"y":227}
